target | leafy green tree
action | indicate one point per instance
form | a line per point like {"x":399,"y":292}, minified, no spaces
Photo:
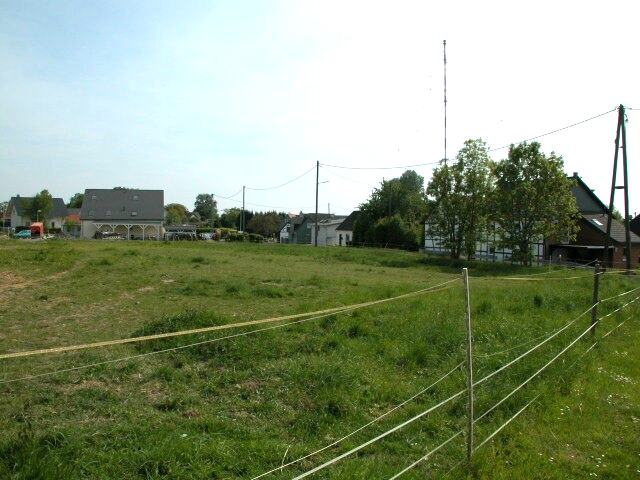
{"x":232,"y":218}
{"x":207,"y":207}
{"x":266,"y":224}
{"x":459,"y":195}
{"x":532,"y":200}
{"x":76,"y":201}
{"x":176,"y":214}
{"x":403,"y":197}
{"x":41,"y":206}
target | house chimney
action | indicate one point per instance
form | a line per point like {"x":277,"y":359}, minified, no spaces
{"x":575,"y":174}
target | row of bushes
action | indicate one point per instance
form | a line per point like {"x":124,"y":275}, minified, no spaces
{"x":231,"y":235}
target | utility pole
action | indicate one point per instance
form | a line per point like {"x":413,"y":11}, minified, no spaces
{"x":444,"y":49}
{"x":621,"y":131}
{"x":315,"y":242}
{"x":242,"y":216}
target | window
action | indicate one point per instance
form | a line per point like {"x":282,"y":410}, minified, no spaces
{"x":597,"y":222}
{"x":53,"y":224}
{"x":135,"y":197}
{"x":134,"y":214}
{"x":108,"y":213}
{"x":93,"y":197}
{"x":91,"y":213}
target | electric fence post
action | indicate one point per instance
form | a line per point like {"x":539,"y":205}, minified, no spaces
{"x":465,"y":277}
{"x":596,"y":296}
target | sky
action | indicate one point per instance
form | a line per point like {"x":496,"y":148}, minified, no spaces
{"x":205,"y":96}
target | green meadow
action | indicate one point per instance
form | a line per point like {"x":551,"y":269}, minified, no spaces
{"x":239,"y":407}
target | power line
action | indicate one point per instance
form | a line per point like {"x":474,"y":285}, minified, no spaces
{"x":556,"y":130}
{"x":228,"y":197}
{"x":334,"y":174}
{"x":263,"y":205}
{"x":283,"y":184}
{"x":380,"y":168}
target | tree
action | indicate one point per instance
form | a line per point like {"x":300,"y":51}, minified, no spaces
{"x":403,"y":197}
{"x":76,"y":201}
{"x":207,"y":207}
{"x":41,"y":206}
{"x":459,"y":195}
{"x":176,"y":214}
{"x":532,"y":200}
{"x":232,"y":218}
{"x":266,"y":224}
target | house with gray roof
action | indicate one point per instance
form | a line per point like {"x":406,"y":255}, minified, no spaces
{"x":327,"y":231}
{"x":589,"y":244}
{"x":131,"y":213}
{"x":345,"y":229}
{"x":19,"y":212}
{"x":298,"y":228}
{"x":635,"y":225}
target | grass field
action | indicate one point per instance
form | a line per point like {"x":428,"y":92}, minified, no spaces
{"x":239,"y":407}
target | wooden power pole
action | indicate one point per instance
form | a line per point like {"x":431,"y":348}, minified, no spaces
{"x":621,"y":133}
{"x":242,"y":216}
{"x":315,"y":242}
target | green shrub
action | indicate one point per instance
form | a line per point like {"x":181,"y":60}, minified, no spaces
{"x":255,"y":238}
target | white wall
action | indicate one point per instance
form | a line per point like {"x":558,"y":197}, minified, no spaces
{"x":88,"y":229}
{"x":329,"y":236}
{"x":486,"y":249}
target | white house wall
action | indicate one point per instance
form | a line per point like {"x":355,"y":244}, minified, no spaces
{"x":88,"y":228}
{"x":486,"y":249}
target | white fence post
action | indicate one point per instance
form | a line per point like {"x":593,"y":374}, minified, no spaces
{"x":465,"y":277}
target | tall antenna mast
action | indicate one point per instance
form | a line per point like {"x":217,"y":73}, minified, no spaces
{"x":444,"y":49}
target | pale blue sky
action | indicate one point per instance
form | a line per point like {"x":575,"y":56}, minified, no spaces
{"x":207,"y":96}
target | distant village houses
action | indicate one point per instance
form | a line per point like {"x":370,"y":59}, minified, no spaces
{"x":588,"y":246}
{"x":130,"y":213}
{"x":333,"y":230}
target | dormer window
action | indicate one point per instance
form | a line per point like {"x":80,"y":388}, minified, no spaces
{"x":92,"y":213}
{"x":134,"y":214}
{"x":108,"y":213}
{"x":93,"y":197}
{"x":135,"y":197}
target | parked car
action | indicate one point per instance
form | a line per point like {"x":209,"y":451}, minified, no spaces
{"x":23,"y":234}
{"x":108,"y":236}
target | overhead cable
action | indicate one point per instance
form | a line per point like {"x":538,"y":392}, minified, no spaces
{"x":380,"y":168}
{"x":283,"y":184}
{"x":556,"y":130}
